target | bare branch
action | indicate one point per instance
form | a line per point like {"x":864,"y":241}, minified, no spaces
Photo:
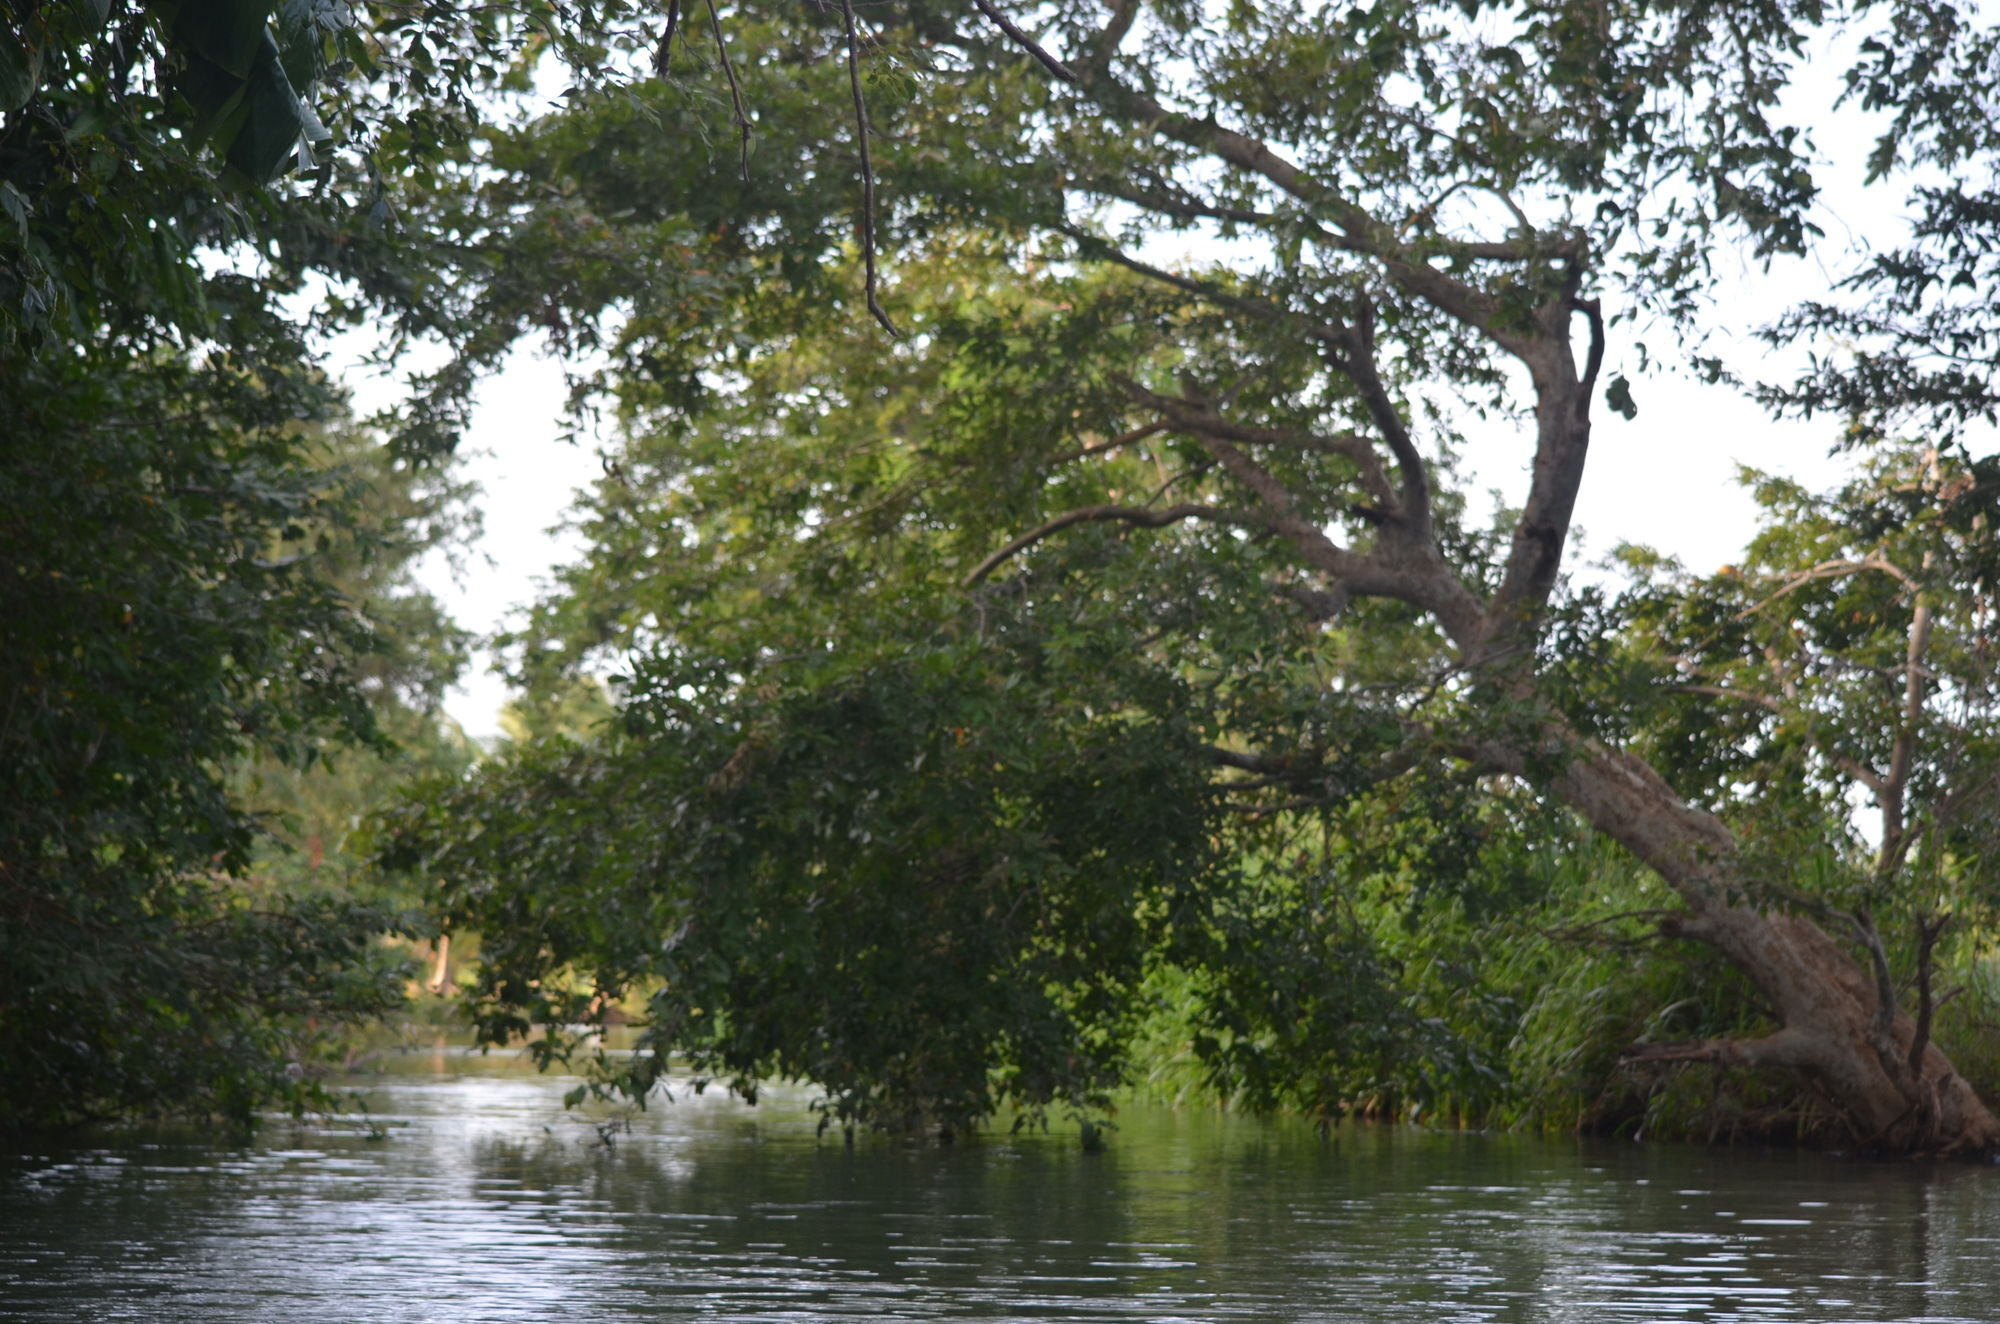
{"x":1195,"y":418}
{"x":867,"y":167}
{"x":1185,"y":207}
{"x":1266,"y":311}
{"x":1359,"y":232}
{"x":1355,"y":356}
{"x":1061,"y":71}
{"x":1139,"y":515}
{"x":1829,"y":570}
{"x":740,"y":115}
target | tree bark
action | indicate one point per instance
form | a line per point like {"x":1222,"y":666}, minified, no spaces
{"x":1825,"y":1002}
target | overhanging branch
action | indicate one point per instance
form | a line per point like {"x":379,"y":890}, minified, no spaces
{"x":1142,"y":516}
{"x":1197,"y":419}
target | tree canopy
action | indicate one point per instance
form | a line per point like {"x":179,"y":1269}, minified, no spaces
{"x":1191,"y":303}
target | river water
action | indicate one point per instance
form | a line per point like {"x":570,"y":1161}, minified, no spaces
{"x":487,"y":1202}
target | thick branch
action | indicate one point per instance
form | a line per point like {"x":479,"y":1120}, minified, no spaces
{"x":1123,"y":12}
{"x":1902,"y":755}
{"x":1929,"y":929}
{"x":663,"y":54}
{"x":1882,"y":1025}
{"x":1196,"y":419}
{"x":1319,"y":604}
{"x":1593,"y":312}
{"x":1142,"y":516}
{"x":1356,"y":357}
{"x":1413,"y":575}
{"x":1320,"y":551}
{"x":1562,"y":444}
{"x":1786,"y":1048}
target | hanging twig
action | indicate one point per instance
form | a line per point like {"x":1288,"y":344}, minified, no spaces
{"x":867,"y":167}
{"x":664,"y":52}
{"x":742,"y":117}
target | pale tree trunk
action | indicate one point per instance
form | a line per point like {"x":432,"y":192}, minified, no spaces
{"x":1831,"y":1027}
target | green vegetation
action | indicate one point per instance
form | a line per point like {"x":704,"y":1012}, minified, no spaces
{"x":1090,"y":668}
{"x":204,"y":573}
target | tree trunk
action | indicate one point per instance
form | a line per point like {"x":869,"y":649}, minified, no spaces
{"x":1827,"y":1006}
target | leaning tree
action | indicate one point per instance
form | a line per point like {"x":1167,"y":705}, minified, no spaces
{"x":1301,"y":244}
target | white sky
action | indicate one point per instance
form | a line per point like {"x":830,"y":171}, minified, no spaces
{"x":527,"y":478}
{"x":1666,"y":479}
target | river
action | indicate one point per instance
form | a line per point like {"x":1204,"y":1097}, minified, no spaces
{"x":486,"y":1201}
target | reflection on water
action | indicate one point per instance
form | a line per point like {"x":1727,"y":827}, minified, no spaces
{"x":488,"y":1202}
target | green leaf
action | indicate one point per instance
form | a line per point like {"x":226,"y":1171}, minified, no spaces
{"x":20,"y":71}
{"x":1618,"y":395}
{"x":226,"y":33}
{"x":95,"y":13}
{"x":276,"y":121}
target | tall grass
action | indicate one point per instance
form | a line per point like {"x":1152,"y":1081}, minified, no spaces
{"x":1520,"y":1019}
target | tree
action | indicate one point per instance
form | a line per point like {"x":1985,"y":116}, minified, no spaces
{"x":165,"y":617}
{"x":1845,"y":661}
{"x":1438,"y":209}
{"x":389,"y":515}
{"x":175,"y":544}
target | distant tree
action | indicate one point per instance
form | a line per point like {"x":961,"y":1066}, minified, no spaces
{"x":391,"y":515}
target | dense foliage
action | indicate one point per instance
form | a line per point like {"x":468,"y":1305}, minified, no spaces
{"x":184,"y":543}
{"x":1108,"y":517}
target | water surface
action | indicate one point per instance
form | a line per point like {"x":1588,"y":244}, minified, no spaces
{"x":488,"y":1202}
